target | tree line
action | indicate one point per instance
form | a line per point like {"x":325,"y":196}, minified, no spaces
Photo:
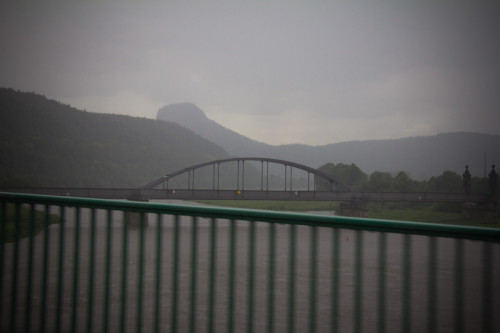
{"x":381,"y":181}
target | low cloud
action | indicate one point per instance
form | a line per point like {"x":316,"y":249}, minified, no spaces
{"x":312,"y":73}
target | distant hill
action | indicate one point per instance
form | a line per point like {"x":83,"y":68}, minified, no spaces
{"x":421,"y":157}
{"x":46,"y":143}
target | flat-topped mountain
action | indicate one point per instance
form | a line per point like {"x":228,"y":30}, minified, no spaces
{"x":421,"y":157}
{"x":192,"y":117}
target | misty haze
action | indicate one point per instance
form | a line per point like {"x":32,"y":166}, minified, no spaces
{"x":218,"y":166}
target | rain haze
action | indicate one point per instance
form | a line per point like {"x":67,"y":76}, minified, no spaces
{"x":284,"y":72}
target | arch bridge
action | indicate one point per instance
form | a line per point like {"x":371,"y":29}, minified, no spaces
{"x":173,"y":186}
{"x":239,"y":183}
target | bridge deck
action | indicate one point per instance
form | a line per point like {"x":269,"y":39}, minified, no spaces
{"x":183,"y":194}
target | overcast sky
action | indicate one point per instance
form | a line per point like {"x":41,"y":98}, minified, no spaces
{"x":285,"y":72}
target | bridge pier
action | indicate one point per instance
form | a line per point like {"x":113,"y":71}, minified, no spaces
{"x":353,"y":208}
{"x":134,"y":218}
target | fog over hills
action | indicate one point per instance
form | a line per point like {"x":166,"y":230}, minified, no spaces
{"x":46,"y":143}
{"x":421,"y":157}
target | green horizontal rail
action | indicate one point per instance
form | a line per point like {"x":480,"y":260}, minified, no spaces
{"x":393,"y":226}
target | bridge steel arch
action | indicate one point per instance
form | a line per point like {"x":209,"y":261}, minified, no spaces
{"x":191,"y":170}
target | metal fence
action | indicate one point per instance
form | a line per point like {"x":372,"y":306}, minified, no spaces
{"x":73,"y":264}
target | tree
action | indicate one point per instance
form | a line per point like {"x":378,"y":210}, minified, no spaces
{"x":349,"y":175}
{"x":380,"y":182}
{"x":449,"y":181}
{"x":403,"y":183}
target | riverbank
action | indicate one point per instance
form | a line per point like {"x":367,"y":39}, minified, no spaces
{"x":416,"y":212}
{"x":25,"y":228}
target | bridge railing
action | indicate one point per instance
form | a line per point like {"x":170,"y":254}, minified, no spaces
{"x":75,"y":264}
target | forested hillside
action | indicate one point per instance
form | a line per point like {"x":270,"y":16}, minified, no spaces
{"x":46,"y":143}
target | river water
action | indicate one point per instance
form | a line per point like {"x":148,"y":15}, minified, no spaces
{"x":111,"y":293}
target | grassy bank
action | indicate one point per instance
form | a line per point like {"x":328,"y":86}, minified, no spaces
{"x":25,"y":228}
{"x":448,"y":213}
{"x":294,"y":206}
{"x":416,"y":212}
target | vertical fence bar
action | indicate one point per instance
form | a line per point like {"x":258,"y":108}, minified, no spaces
{"x":194,"y":269}
{"x":313,"y":287}
{"x":90,"y":304}
{"x":211,"y":298}
{"x":76,"y":272}
{"x":358,"y":282}
{"x":43,"y":305}
{"x":13,"y":304}
{"x":406,"y":283}
{"x":291,"y":278}
{"x":232,"y":265}
{"x":335,"y":280}
{"x":175,"y":273}
{"x":270,"y":292}
{"x":107,"y":270}
{"x":381,"y":282}
{"x":432,"y":288}
{"x":29,"y":284}
{"x":157,"y":314}
{"x":140,"y":284}
{"x":251,"y":276}
{"x":487,"y":287}
{"x":123,"y":309}
{"x":459,"y":284}
{"x":60,"y":285}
